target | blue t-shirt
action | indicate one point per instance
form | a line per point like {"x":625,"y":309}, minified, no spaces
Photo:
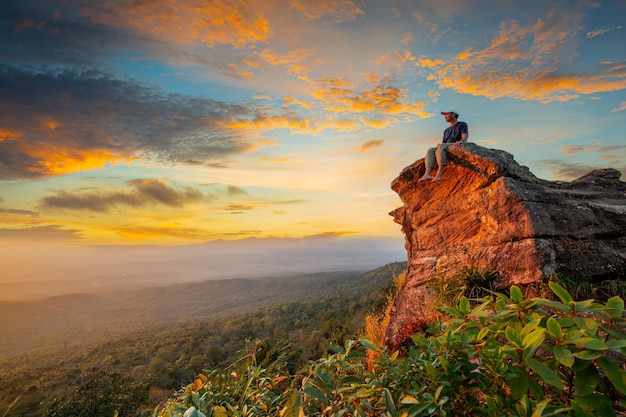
{"x":453,"y":133}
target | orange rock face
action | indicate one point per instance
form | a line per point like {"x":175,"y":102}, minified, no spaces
{"x":490,"y":212}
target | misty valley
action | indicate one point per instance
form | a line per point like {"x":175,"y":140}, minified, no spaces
{"x":154,"y":340}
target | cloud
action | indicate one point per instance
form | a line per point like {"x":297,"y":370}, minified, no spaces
{"x":291,"y":101}
{"x":425,"y":62}
{"x":599,"y":147}
{"x":18,"y":212}
{"x":37,"y":33}
{"x":249,"y":232}
{"x":293,"y":60}
{"x":147,"y":232}
{"x":50,"y":233}
{"x":338,"y":96}
{"x":143,"y":192}
{"x":234,"y":190}
{"x":238,"y":208}
{"x":336,"y":11}
{"x":523,"y":62}
{"x":228,"y":22}
{"x":277,"y":160}
{"x":621,"y":107}
{"x":564,"y":170}
{"x":56,"y":122}
{"x":371,"y":144}
{"x":331,"y":235}
{"x":265,"y":122}
{"x":572,"y":149}
{"x":85,"y":32}
{"x":598,"y":32}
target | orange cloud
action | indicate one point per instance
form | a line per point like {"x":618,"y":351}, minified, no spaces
{"x":265,"y":123}
{"x":235,"y":71}
{"x":429,"y":63}
{"x":148,"y":232}
{"x":371,"y":144}
{"x":226,"y":22}
{"x":572,"y":149}
{"x":278,"y":160}
{"x":290,"y":101}
{"x":337,"y":10}
{"x":9,"y":134}
{"x":54,"y":160}
{"x":293,"y":60}
{"x":341,"y":125}
{"x":523,"y":63}
{"x":380,"y":99}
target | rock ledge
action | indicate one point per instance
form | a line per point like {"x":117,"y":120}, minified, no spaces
{"x":489,"y":211}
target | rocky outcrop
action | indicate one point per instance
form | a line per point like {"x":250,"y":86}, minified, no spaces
{"x":489,"y":211}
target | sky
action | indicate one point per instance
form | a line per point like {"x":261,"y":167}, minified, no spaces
{"x":168,"y":123}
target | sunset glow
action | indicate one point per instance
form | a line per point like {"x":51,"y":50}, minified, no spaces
{"x":172,"y":123}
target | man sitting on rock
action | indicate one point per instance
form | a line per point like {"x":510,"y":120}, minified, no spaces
{"x":452,"y":136}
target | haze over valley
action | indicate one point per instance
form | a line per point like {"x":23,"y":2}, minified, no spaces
{"x":38,"y":271}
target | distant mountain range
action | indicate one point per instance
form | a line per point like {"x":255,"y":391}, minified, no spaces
{"x":34,"y":274}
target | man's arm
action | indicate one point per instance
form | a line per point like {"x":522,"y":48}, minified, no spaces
{"x":464,"y":132}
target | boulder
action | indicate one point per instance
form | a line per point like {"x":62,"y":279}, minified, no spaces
{"x":490,"y":212}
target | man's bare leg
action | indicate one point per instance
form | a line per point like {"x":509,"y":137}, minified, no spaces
{"x":426,"y":175}
{"x":439,"y":174}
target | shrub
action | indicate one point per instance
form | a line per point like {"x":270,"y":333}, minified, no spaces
{"x":506,"y":355}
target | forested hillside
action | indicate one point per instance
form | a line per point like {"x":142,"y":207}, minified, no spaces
{"x":142,"y":346}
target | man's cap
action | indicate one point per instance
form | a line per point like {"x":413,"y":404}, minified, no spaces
{"x":450,"y":111}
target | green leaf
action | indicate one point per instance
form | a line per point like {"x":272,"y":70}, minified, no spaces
{"x":586,"y":380}
{"x":591,"y":343}
{"x":325,"y":379}
{"x":616,"y":344}
{"x":561,"y":293}
{"x":369,"y":345}
{"x":416,"y":410}
{"x":554,"y":328}
{"x":516,"y":294}
{"x":518,"y":383}
{"x":615,"y":373}
{"x":391,"y":407}
{"x":539,"y":408}
{"x":587,"y":305}
{"x":564,"y":356}
{"x":547,"y":374}
{"x":337,"y":349}
{"x":315,"y":393}
{"x":566,"y":322}
{"x":482,"y":333}
{"x":615,"y":307}
{"x":554,"y":304}
{"x":513,"y":336}
{"x":588,"y":355}
{"x":585,"y":323}
{"x":464,"y":305}
{"x":580,"y":364}
{"x":534,"y":339}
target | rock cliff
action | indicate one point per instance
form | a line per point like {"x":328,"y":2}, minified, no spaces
{"x":489,"y":211}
